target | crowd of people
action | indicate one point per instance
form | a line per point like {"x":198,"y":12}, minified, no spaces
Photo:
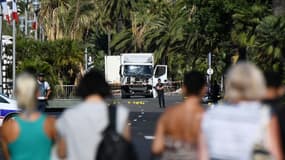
{"x":248,"y":124}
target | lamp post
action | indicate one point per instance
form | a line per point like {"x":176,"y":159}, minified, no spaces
{"x":36,"y":5}
{"x":22,"y":24}
{"x":26,"y":17}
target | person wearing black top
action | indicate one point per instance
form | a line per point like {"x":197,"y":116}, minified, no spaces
{"x":274,"y":93}
{"x":160,"y":91}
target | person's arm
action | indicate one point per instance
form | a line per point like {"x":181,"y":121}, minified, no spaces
{"x":202,"y":148}
{"x":50,"y":128}
{"x":61,"y":147}
{"x":48,"y":90}
{"x":5,"y":131}
{"x":48,"y":93}
{"x":273,"y":138}
{"x":203,"y":153}
{"x":60,"y":137}
{"x":158,"y":143}
{"x":5,"y":149}
{"x":162,"y":87}
{"x":127,"y":132}
{"x":157,"y":87}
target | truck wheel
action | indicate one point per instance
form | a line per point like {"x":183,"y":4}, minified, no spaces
{"x":148,"y":96}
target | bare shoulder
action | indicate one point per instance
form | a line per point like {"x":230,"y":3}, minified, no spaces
{"x":50,"y":120}
{"x":9,"y":129}
{"x":9,"y":125}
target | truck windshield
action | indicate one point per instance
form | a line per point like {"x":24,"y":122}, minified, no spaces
{"x":138,"y":70}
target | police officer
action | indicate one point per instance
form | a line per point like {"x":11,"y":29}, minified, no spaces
{"x":44,"y":92}
{"x":160,"y":91}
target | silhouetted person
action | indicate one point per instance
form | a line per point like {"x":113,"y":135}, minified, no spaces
{"x":160,"y":91}
{"x":215,"y":92}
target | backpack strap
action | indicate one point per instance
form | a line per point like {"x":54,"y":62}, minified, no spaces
{"x":112,"y":109}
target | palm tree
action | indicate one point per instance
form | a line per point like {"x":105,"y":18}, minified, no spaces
{"x":67,"y":18}
{"x":52,"y":16}
{"x":132,"y":39}
{"x":270,"y":38}
{"x":167,"y":31}
{"x":81,"y":15}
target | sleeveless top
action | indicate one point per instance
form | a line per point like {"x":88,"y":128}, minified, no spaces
{"x":32,"y":142}
{"x":179,"y":150}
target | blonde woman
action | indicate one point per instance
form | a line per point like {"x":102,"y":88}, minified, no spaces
{"x":239,"y":128}
{"x":30,"y":135}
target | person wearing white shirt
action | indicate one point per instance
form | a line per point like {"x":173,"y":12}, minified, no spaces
{"x":44,"y":92}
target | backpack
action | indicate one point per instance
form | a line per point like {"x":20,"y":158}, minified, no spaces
{"x":113,"y":146}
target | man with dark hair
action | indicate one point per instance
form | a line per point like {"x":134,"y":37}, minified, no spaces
{"x":160,"y":92}
{"x":44,"y":92}
{"x":80,"y":128}
{"x":180,"y":124}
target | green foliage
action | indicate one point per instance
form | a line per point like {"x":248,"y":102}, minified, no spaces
{"x":61,"y":60}
{"x":180,"y":33}
{"x":270,"y":42}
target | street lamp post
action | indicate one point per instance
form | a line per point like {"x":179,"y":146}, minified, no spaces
{"x":36,"y":5}
{"x":22,"y":23}
{"x":26,"y":17}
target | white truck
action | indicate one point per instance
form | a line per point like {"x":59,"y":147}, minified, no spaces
{"x":138,"y":75}
{"x":112,"y":69}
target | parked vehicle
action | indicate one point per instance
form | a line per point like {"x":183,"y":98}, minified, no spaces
{"x":8,"y":108}
{"x":139,"y":75}
{"x":112,"y":69}
{"x":135,"y":73}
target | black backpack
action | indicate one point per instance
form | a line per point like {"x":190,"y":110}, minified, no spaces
{"x":113,"y":146}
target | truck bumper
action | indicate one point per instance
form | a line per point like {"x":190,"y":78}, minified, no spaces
{"x":128,"y":91}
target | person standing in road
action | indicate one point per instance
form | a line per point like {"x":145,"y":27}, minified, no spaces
{"x":177,"y":131}
{"x":44,"y":92}
{"x":80,"y":128}
{"x":160,"y":91}
{"x":29,"y":135}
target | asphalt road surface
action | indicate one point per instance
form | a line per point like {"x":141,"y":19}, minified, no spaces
{"x":144,"y":113}
{"x":143,"y":118}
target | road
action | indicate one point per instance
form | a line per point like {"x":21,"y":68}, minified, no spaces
{"x":143,"y":118}
{"x":144,"y":113}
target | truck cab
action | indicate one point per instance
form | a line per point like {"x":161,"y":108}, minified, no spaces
{"x":138,"y":74}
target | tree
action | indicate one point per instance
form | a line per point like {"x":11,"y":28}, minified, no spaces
{"x":67,"y":18}
{"x":167,"y":31}
{"x":270,"y":38}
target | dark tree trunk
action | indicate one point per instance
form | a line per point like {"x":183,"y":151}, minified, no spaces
{"x":278,"y":7}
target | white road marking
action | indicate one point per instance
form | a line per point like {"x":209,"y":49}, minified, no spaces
{"x":149,"y":137}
